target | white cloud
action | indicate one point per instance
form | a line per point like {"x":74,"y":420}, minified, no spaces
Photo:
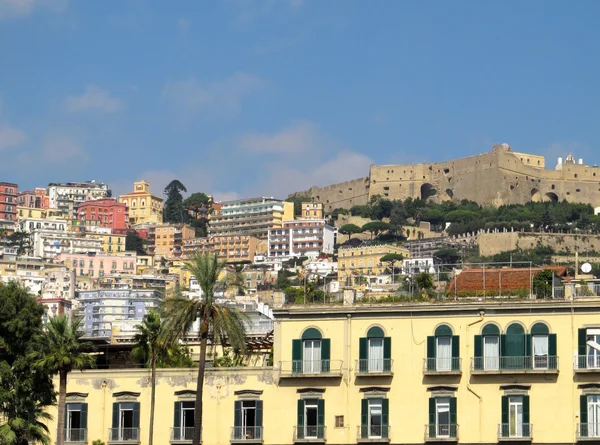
{"x":224,"y":95}
{"x":11,"y":137}
{"x":299,"y":138}
{"x":10,"y":9}
{"x":94,"y":98}
{"x":62,"y":150}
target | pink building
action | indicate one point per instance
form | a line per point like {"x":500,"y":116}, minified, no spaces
{"x":97,"y":265}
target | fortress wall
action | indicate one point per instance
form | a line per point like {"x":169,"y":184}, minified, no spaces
{"x":341,"y":195}
{"x":494,"y":243}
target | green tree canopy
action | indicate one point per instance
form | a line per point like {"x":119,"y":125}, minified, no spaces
{"x":173,"y":207}
{"x":375,"y":227}
{"x":424,"y":281}
{"x":349,"y":229}
{"x":447,"y":255}
{"x":391,"y":258}
{"x":135,"y":243}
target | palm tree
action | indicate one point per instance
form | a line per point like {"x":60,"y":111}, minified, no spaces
{"x":26,"y":427}
{"x":216,"y":321}
{"x":61,"y":350}
{"x":148,"y":346}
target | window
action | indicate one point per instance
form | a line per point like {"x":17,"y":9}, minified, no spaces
{"x":375,"y":352}
{"x":248,"y":420}
{"x":442,"y":417}
{"x":183,"y":420}
{"x":125,"y":421}
{"x":515,"y":417}
{"x":487,"y":348}
{"x":339,"y":421}
{"x":374,"y":419}
{"x":76,"y":422}
{"x":589,"y":415}
{"x":589,"y":348}
{"x":310,"y":355}
{"x":311,"y":419}
{"x":512,"y":347}
{"x":443,"y":350}
{"x":541,"y":342}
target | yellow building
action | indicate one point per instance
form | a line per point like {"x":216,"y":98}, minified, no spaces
{"x":311,"y":210}
{"x":31,"y":212}
{"x":364,"y":261}
{"x":113,"y":243}
{"x":143,"y":206}
{"x":230,"y":248}
{"x":478,"y":372}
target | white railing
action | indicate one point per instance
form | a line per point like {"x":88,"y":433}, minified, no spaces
{"x":247,"y":433}
{"x":515,"y":431}
{"x":123,"y":434}
{"x":374,"y":366}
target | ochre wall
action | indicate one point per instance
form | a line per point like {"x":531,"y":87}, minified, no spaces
{"x":493,"y":243}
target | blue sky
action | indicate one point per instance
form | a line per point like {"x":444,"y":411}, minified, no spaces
{"x":243,"y":98}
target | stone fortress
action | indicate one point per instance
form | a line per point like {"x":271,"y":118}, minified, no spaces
{"x":500,"y":176}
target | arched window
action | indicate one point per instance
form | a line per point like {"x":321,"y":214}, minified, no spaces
{"x":443,"y":350}
{"x":543,"y":347}
{"x":375,"y":352}
{"x":310,"y":354}
{"x":513,"y":347}
{"x":487,"y":348}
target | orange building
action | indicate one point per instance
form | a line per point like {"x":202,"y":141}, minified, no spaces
{"x":231,"y":248}
{"x":167,"y":240}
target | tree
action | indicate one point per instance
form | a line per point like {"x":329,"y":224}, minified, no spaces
{"x":26,"y":391}
{"x":135,"y":243}
{"x":542,"y":283}
{"x":61,"y":350}
{"x":349,"y":229}
{"x":173,"y":209}
{"x":376,"y":227}
{"x":424,"y":281}
{"x":216,"y":321}
{"x":298,"y":199}
{"x":447,"y":255}
{"x":20,"y":240}
{"x":391,"y":259}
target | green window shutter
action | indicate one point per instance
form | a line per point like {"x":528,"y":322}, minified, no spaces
{"x":478,"y":352}
{"x":432,"y":428}
{"x":387,"y":354}
{"x":84,"y":412}
{"x":504,"y":409}
{"x":453,"y":411}
{"x":582,"y":348}
{"x":300,"y":426}
{"x":325,"y":354}
{"x":320,"y":418}
{"x":258,"y":420}
{"x":455,"y":352}
{"x":364,"y":418}
{"x":363,"y":354}
{"x":552,"y":350}
{"x":583,"y":415}
{"x":177,"y":421}
{"x":135,"y":421}
{"x":297,"y":355}
{"x":385,"y":417}
{"x":237,"y":419}
{"x":525,"y":409}
{"x":528,"y":361}
{"x":115,"y":416}
{"x":503,"y":345}
{"x":431,"y":353}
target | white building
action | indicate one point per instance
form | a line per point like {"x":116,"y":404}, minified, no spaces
{"x":49,"y":243}
{"x":67,"y":197}
{"x":411,"y":266}
{"x":304,"y":237}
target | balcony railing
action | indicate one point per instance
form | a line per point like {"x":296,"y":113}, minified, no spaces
{"x":435,"y":432}
{"x":182,"y":435}
{"x":516,"y":431}
{"x":547,"y":364}
{"x":373,"y":433}
{"x":123,"y":435}
{"x":310,"y":433}
{"x":587,"y":363}
{"x":374,"y":366}
{"x":311,"y":368}
{"x":588,"y":431}
{"x":436,"y":366}
{"x":75,"y":435}
{"x":247,"y":434}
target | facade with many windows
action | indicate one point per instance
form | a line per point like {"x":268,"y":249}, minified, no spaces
{"x":459,"y":372}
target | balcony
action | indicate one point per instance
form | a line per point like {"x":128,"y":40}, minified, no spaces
{"x":442,"y":366}
{"x":587,"y":363}
{"x":515,"y":432}
{"x":374,"y":368}
{"x":588,"y":432}
{"x":182,"y":435}
{"x":76,"y":435}
{"x":373,"y":433}
{"x":312,"y":433}
{"x":123,"y":435}
{"x":441,"y":432}
{"x":310,"y":369}
{"x":515,"y":365}
{"x":247,"y":434}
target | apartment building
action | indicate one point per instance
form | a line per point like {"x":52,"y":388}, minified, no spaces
{"x":364,"y":261}
{"x":311,"y":210}
{"x":113,"y":243}
{"x":97,"y":265}
{"x":144,"y":207}
{"x":167,"y":240}
{"x":304,"y":237}
{"x":35,"y":199}
{"x":8,"y":203}
{"x":53,"y":237}
{"x":231,"y":248}
{"x":478,"y":372}
{"x":254,"y":216}
{"x":105,"y":212}
{"x":68,"y":196}
{"x":35,"y":213}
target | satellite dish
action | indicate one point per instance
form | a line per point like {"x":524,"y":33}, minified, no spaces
{"x":586,"y":267}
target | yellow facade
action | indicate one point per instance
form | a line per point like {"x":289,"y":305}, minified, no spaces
{"x":31,"y":212}
{"x":112,"y":243}
{"x":342,"y":384}
{"x":364,"y":260}
{"x":143,"y":206}
{"x":311,"y":210}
